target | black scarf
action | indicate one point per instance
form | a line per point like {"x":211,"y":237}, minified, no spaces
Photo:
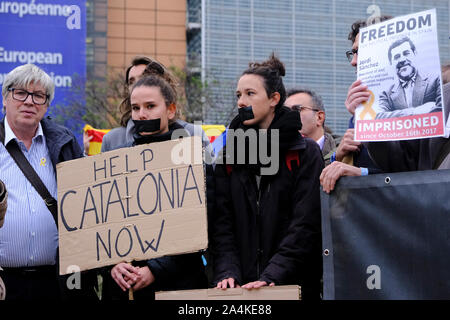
{"x":288,"y":124}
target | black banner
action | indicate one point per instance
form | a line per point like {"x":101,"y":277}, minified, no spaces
{"x":387,"y":236}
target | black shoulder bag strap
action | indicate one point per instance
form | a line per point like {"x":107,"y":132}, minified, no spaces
{"x":31,"y":175}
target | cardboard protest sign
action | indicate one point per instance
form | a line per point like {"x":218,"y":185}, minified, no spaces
{"x":130,"y":204}
{"x":286,"y":292}
{"x":398,"y":60}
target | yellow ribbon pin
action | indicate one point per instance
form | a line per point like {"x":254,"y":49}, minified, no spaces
{"x":368,"y":107}
{"x":43,"y":162}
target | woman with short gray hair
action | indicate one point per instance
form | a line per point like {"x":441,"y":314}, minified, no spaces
{"x":26,"y":74}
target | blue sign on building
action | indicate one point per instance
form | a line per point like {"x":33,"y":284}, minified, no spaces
{"x":52,"y":35}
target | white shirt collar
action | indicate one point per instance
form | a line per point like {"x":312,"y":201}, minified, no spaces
{"x":321,"y":142}
{"x":9,"y":134}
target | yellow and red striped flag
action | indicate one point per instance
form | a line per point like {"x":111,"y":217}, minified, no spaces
{"x":211,"y":130}
{"x":95,"y":144}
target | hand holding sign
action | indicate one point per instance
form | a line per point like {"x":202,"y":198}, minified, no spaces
{"x":125,"y":275}
{"x":145,"y":278}
{"x":347,"y":145}
{"x":357,"y":94}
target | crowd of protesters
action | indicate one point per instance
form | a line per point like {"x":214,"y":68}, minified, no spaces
{"x":264,"y":229}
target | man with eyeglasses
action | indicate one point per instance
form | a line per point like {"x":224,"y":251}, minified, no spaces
{"x":312,"y":114}
{"x":29,"y":236}
{"x":351,"y":157}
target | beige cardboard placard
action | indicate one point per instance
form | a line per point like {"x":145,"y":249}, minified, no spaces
{"x":130,"y":204}
{"x":289,"y":292}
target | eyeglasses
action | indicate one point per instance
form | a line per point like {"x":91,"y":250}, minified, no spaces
{"x":22,"y":95}
{"x":299,"y":108}
{"x":350,"y":54}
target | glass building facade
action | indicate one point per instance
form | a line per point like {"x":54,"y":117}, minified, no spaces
{"x":309,"y":36}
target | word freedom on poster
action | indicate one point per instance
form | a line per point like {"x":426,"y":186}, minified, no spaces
{"x":398,"y":60}
{"x":130,"y":204}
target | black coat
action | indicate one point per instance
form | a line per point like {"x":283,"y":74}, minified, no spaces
{"x":276,"y":238}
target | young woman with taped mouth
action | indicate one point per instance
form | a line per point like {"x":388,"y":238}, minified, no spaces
{"x":266,"y":228}
{"x":153,"y":103}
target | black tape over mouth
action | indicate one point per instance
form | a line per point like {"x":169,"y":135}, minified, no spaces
{"x":246,"y":113}
{"x":147,"y":125}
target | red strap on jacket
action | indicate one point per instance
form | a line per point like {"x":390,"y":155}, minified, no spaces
{"x":292,"y":155}
{"x":229,"y":169}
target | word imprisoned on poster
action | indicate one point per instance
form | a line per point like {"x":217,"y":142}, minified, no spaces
{"x":411,"y":127}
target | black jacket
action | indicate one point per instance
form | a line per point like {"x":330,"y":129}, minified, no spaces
{"x":276,"y":236}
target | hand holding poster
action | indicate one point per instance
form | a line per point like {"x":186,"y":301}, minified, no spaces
{"x":398,"y":60}
{"x":130,"y":204}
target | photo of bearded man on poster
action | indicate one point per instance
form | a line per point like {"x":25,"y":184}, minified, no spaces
{"x":413,"y":93}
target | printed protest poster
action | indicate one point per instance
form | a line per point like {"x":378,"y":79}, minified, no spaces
{"x":398,"y":60}
{"x":130,"y":204}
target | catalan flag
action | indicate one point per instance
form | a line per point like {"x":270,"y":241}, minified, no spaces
{"x":213,"y":132}
{"x":95,"y":144}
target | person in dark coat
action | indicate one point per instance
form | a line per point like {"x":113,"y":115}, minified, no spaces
{"x":266,"y":226}
{"x":153,"y":112}
{"x":417,"y":154}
